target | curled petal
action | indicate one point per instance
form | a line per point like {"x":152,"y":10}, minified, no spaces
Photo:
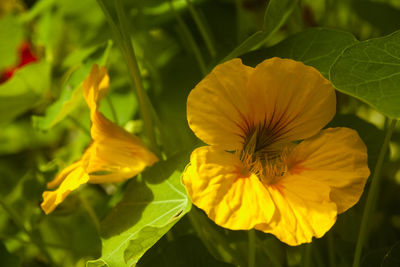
{"x":336,"y":157}
{"x":231,"y":197}
{"x":290,"y":100}
{"x":73,"y":179}
{"x":114,"y":155}
{"x":95,"y":86}
{"x":63,"y":174}
{"x":216,"y":107}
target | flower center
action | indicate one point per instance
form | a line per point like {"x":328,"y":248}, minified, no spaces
{"x":263,"y":139}
{"x":263,"y":156}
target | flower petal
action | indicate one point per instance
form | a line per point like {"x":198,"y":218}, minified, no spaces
{"x":115,"y":155}
{"x":303,"y":210}
{"x":217,"y":105}
{"x":75,"y":178}
{"x":63,"y":174}
{"x":215,"y":183}
{"x":95,"y":86}
{"x":338,"y":158}
{"x":293,"y":100}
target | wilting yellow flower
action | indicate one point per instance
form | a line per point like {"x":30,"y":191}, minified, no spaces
{"x":269,"y":165}
{"x":114,"y":154}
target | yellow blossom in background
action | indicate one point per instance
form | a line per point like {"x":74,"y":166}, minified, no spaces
{"x":269,"y":165}
{"x":113,"y":156}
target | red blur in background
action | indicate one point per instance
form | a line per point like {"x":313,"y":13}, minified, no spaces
{"x":26,"y":56}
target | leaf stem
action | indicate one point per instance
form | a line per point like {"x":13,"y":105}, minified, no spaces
{"x":91,"y":212}
{"x":271,"y":256}
{"x":37,"y":241}
{"x":307,"y":255}
{"x":122,"y":38}
{"x":252,"y":248}
{"x":189,"y":37}
{"x":112,"y":108}
{"x":331,"y":250}
{"x":79,"y":125}
{"x":372,"y":194}
{"x":204,"y":230}
{"x":202,"y":28}
{"x":133,"y":67}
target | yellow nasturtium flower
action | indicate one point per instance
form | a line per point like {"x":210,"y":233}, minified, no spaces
{"x":113,"y":156}
{"x":269,"y":165}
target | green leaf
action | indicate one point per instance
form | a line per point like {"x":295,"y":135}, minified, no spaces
{"x":183,"y":251}
{"x":370,"y":71}
{"x":150,"y":207}
{"x":19,"y":136}
{"x":11,"y":34}
{"x":8,"y":259}
{"x":71,"y":96}
{"x":383,"y":16}
{"x":383,"y":257}
{"x":392,"y":257}
{"x":275,"y":16}
{"x":73,"y":232}
{"x":317,"y":47}
{"x":67,"y":102}
{"x":23,"y":90}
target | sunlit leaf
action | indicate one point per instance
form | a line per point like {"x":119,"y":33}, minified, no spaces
{"x":275,"y":16}
{"x":317,"y":47}
{"x":11,"y":34}
{"x":150,"y":207}
{"x":18,"y":136}
{"x":72,"y":94}
{"x":23,"y":90}
{"x":370,"y":71}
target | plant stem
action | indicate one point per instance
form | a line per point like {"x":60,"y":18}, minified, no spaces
{"x":203,"y":229}
{"x":112,"y":108}
{"x":91,"y":212}
{"x":34,"y":240}
{"x":122,"y":38}
{"x":202,"y":28}
{"x":14,"y":217}
{"x":372,"y":195}
{"x":307,"y":255}
{"x":271,"y":256}
{"x":252,"y":248}
{"x":133,"y":68}
{"x":192,"y":43}
{"x":331,"y":250}
{"x":79,"y":125}
{"x":114,"y":28}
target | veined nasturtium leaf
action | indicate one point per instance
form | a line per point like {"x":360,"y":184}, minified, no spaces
{"x":317,"y":47}
{"x":370,"y":71}
{"x":275,"y":16}
{"x":150,"y":207}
